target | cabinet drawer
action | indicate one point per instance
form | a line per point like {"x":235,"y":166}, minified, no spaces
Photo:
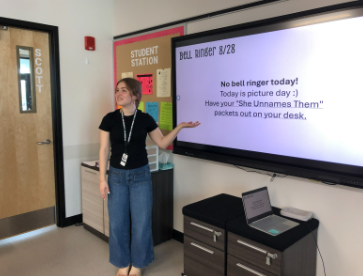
{"x":201,"y":259}
{"x":92,"y":206}
{"x":90,"y":175}
{"x":204,"y":232}
{"x":254,"y":253}
{"x":92,"y":202}
{"x":238,"y":267}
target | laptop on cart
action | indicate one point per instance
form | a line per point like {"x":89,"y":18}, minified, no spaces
{"x":259,"y":214}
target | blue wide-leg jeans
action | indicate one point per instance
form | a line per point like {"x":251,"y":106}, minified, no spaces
{"x":130,"y":192}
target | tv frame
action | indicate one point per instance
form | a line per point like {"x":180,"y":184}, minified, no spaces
{"x":326,"y":172}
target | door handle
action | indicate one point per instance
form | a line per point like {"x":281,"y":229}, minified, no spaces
{"x":43,"y":143}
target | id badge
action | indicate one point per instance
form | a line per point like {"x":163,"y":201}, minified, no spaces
{"x":124,"y":159}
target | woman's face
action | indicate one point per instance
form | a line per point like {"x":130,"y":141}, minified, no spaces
{"x":123,"y":95}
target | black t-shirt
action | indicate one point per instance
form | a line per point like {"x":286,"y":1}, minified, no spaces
{"x":136,"y":150}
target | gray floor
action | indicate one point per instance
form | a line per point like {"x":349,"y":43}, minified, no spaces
{"x":72,"y":250}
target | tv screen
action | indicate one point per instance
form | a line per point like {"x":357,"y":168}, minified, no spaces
{"x":283,"y":95}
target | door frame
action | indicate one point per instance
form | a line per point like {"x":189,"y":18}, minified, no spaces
{"x":61,"y":219}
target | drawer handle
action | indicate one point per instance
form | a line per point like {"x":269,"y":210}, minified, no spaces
{"x":268,"y":254}
{"x":201,"y":247}
{"x":91,"y":172}
{"x":215,"y":233}
{"x":201,"y":226}
{"x":250,"y":270}
{"x":252,"y":246}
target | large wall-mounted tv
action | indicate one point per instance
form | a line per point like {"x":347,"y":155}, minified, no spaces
{"x":283,"y":95}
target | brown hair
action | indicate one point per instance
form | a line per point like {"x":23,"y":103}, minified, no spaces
{"x":134,"y":86}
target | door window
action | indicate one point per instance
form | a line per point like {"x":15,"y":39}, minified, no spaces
{"x":25,"y":60}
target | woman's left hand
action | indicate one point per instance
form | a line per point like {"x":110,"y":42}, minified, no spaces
{"x":189,"y":124}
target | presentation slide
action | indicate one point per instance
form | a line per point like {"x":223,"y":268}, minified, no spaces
{"x":256,"y":204}
{"x":296,"y":92}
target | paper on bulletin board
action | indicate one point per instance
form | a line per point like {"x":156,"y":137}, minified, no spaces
{"x":166,"y":116}
{"x":142,"y":106}
{"x":163,"y":82}
{"x":146,"y":81}
{"x":127,"y":75}
{"x":152,"y":108}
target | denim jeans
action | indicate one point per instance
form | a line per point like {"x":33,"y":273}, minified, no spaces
{"x":130,"y":192}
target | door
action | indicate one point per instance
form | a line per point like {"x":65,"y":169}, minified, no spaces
{"x":27,"y":182}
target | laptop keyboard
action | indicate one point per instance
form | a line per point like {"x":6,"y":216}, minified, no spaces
{"x":274,"y":222}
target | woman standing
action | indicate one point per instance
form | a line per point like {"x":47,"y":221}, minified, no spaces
{"x":129,"y":180}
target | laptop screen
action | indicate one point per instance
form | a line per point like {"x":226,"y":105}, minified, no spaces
{"x":257,"y":204}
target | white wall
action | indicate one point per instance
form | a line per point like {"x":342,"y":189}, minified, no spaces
{"x":136,"y":15}
{"x":86,"y":90}
{"x":338,"y":208}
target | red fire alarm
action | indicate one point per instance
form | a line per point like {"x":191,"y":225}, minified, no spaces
{"x":90,"y":44}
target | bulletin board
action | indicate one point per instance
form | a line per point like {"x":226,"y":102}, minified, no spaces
{"x":148,"y":59}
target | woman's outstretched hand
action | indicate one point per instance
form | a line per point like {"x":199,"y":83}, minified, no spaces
{"x":189,"y":124}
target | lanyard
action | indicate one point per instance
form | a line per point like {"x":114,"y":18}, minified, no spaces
{"x":123,"y":122}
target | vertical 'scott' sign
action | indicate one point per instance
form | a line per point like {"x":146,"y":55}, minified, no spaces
{"x":38,"y":69}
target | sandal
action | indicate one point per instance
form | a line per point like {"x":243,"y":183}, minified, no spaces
{"x":123,"y":274}
{"x":137,"y":273}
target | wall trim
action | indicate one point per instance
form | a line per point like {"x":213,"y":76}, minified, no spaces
{"x":179,"y":236}
{"x":72,"y":220}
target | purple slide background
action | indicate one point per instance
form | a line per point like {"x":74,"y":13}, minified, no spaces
{"x":326,"y":58}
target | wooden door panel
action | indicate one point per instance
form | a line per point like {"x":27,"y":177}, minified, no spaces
{"x":7,"y":170}
{"x":44,"y":118}
{"x":26,"y":169}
